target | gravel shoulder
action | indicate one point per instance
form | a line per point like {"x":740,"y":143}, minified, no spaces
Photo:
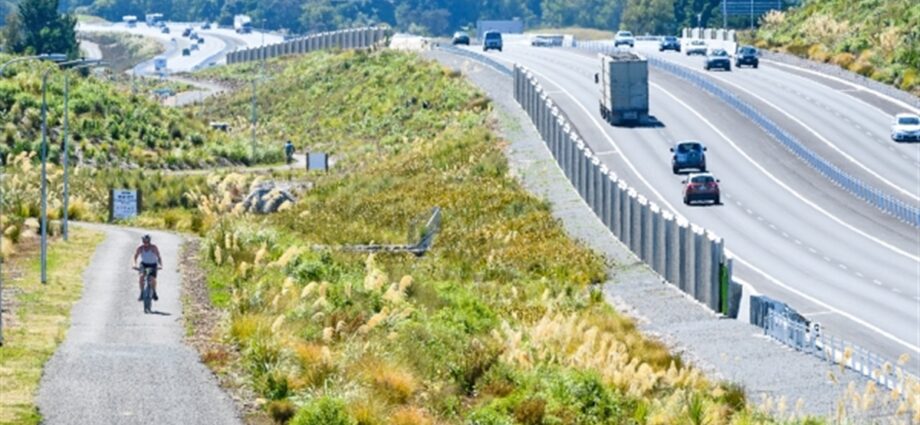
{"x":724,"y":349}
{"x":118,"y":365}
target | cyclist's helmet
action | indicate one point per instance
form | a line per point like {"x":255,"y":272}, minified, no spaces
{"x":145,"y":238}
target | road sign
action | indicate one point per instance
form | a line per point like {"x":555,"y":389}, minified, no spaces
{"x":124,"y":203}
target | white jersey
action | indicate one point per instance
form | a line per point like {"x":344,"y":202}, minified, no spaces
{"x":148,"y":255}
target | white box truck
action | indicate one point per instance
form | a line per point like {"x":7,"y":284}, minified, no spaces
{"x":242,"y":24}
{"x":129,"y":20}
{"x":624,"y":88}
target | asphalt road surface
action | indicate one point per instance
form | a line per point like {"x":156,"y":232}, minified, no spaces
{"x":118,"y":365}
{"x":794,"y":235}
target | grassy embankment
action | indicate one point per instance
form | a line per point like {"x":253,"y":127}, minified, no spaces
{"x":37,"y":316}
{"x":498,"y":324}
{"x":122,"y":51}
{"x":880,"y":40}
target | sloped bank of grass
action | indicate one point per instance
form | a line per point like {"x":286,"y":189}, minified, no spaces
{"x":498,"y":324}
{"x":36,"y":317}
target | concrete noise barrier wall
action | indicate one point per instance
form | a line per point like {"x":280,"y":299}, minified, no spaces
{"x":685,"y":255}
{"x":357,"y":38}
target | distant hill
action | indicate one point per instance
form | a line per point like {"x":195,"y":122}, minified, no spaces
{"x":879,"y":39}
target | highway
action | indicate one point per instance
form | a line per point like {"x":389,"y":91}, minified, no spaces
{"x":794,"y":235}
{"x":218,"y":42}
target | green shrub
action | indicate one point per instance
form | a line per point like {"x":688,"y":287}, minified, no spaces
{"x":323,"y":411}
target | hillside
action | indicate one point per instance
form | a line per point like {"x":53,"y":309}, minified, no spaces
{"x":109,"y":126}
{"x":877,"y":39}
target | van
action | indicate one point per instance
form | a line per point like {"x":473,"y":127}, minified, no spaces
{"x":491,"y":40}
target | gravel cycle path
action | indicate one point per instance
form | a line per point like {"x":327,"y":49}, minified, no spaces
{"x":118,"y":365}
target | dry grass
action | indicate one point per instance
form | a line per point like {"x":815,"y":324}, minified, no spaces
{"x":409,"y":415}
{"x":40,"y":316}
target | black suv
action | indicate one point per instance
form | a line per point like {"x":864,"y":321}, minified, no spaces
{"x":747,"y":55}
{"x":461,"y":37}
{"x":669,"y":43}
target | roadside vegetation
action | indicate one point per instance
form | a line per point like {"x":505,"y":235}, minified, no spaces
{"x":500,"y":323}
{"x":122,"y":51}
{"x":879,"y":40}
{"x":36,"y":316}
{"x":110,"y":127}
{"x":577,"y":32}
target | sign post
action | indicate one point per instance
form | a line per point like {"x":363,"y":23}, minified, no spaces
{"x":124,"y":203}
{"x":317,"y":161}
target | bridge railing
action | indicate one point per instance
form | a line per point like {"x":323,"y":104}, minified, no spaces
{"x":357,"y":38}
{"x":878,"y":198}
{"x":686,"y":255}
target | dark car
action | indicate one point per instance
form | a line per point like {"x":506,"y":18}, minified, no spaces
{"x":164,"y":29}
{"x":206,"y":26}
{"x":688,"y":154}
{"x":747,"y":55}
{"x":669,"y":43}
{"x":187,"y":32}
{"x":718,"y":58}
{"x":492,"y":40}
{"x":186,"y":52}
{"x":461,"y":38}
{"x":701,"y":187}
{"x":200,"y":40}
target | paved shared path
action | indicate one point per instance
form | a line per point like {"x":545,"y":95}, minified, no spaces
{"x":118,"y":365}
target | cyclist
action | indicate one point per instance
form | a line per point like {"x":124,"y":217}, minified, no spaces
{"x":150,"y":257}
{"x":289,"y":151}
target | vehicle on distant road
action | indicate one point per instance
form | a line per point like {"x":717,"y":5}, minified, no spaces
{"x":187,"y":31}
{"x":747,"y":55}
{"x":624,"y":88}
{"x":460,"y":37}
{"x":906,"y":128}
{"x":624,"y":37}
{"x":717,"y":58}
{"x":669,"y":43}
{"x":186,"y":52}
{"x":688,"y":154}
{"x":164,"y":29}
{"x":193,"y":47}
{"x":206,"y":26}
{"x":159,"y":64}
{"x":701,"y":187}
{"x":129,"y":20}
{"x":696,"y":47}
{"x":541,"y":41}
{"x":242,"y":24}
{"x":492,"y":40}
{"x":200,"y":40}
{"x":153,"y":19}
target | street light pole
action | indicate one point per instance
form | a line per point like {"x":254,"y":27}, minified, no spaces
{"x":56,"y":57}
{"x":44,"y":204}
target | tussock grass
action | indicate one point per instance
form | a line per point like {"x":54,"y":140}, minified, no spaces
{"x":38,"y":318}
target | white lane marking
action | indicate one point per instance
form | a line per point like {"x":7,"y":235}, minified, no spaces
{"x":855,"y":87}
{"x":813,"y":251}
{"x":877,"y":282}
{"x":740,"y":259}
{"x":606,"y":153}
{"x":859,"y":275}
{"x":823,"y":304}
{"x":842,"y":266}
{"x":828,"y":259}
{"x":783,"y":185}
{"x":612,"y":143}
{"x":818,"y":313}
{"x":798,"y":242}
{"x":824,"y":140}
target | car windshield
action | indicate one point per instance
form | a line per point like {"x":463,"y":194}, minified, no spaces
{"x":698,"y":43}
{"x":909,"y":121}
{"x":719,"y":52}
{"x":702,"y":179}
{"x":748,"y":51}
{"x":671,"y":38}
{"x":688,"y":147}
{"x":625,"y":34}
{"x":459,"y":34}
{"x":492,"y":35}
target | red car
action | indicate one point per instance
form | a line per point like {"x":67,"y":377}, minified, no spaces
{"x":701,"y":187}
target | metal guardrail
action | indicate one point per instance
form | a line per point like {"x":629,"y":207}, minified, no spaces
{"x":479,"y":57}
{"x":358,"y":38}
{"x":808,"y":338}
{"x":876,"y":197}
{"x":684,"y":254}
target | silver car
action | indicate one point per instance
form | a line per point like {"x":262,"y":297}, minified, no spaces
{"x":696,"y":47}
{"x":906,"y":128}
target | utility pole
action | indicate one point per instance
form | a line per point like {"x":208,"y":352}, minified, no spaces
{"x":65,"y":153}
{"x":44,"y":202}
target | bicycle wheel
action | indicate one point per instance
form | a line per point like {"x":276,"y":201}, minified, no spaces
{"x":148,"y":294}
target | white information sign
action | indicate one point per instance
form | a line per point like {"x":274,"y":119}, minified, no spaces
{"x":317,"y":161}
{"x":124,"y":203}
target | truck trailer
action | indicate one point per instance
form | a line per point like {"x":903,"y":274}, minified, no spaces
{"x":624,"y":88}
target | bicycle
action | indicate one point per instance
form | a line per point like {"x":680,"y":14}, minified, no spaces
{"x":147,"y":292}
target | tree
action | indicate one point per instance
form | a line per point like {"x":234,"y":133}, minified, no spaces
{"x":650,"y":17}
{"x":41,"y":29}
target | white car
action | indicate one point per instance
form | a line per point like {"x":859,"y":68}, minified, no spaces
{"x":696,"y":47}
{"x":906,"y":128}
{"x":624,"y":37}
